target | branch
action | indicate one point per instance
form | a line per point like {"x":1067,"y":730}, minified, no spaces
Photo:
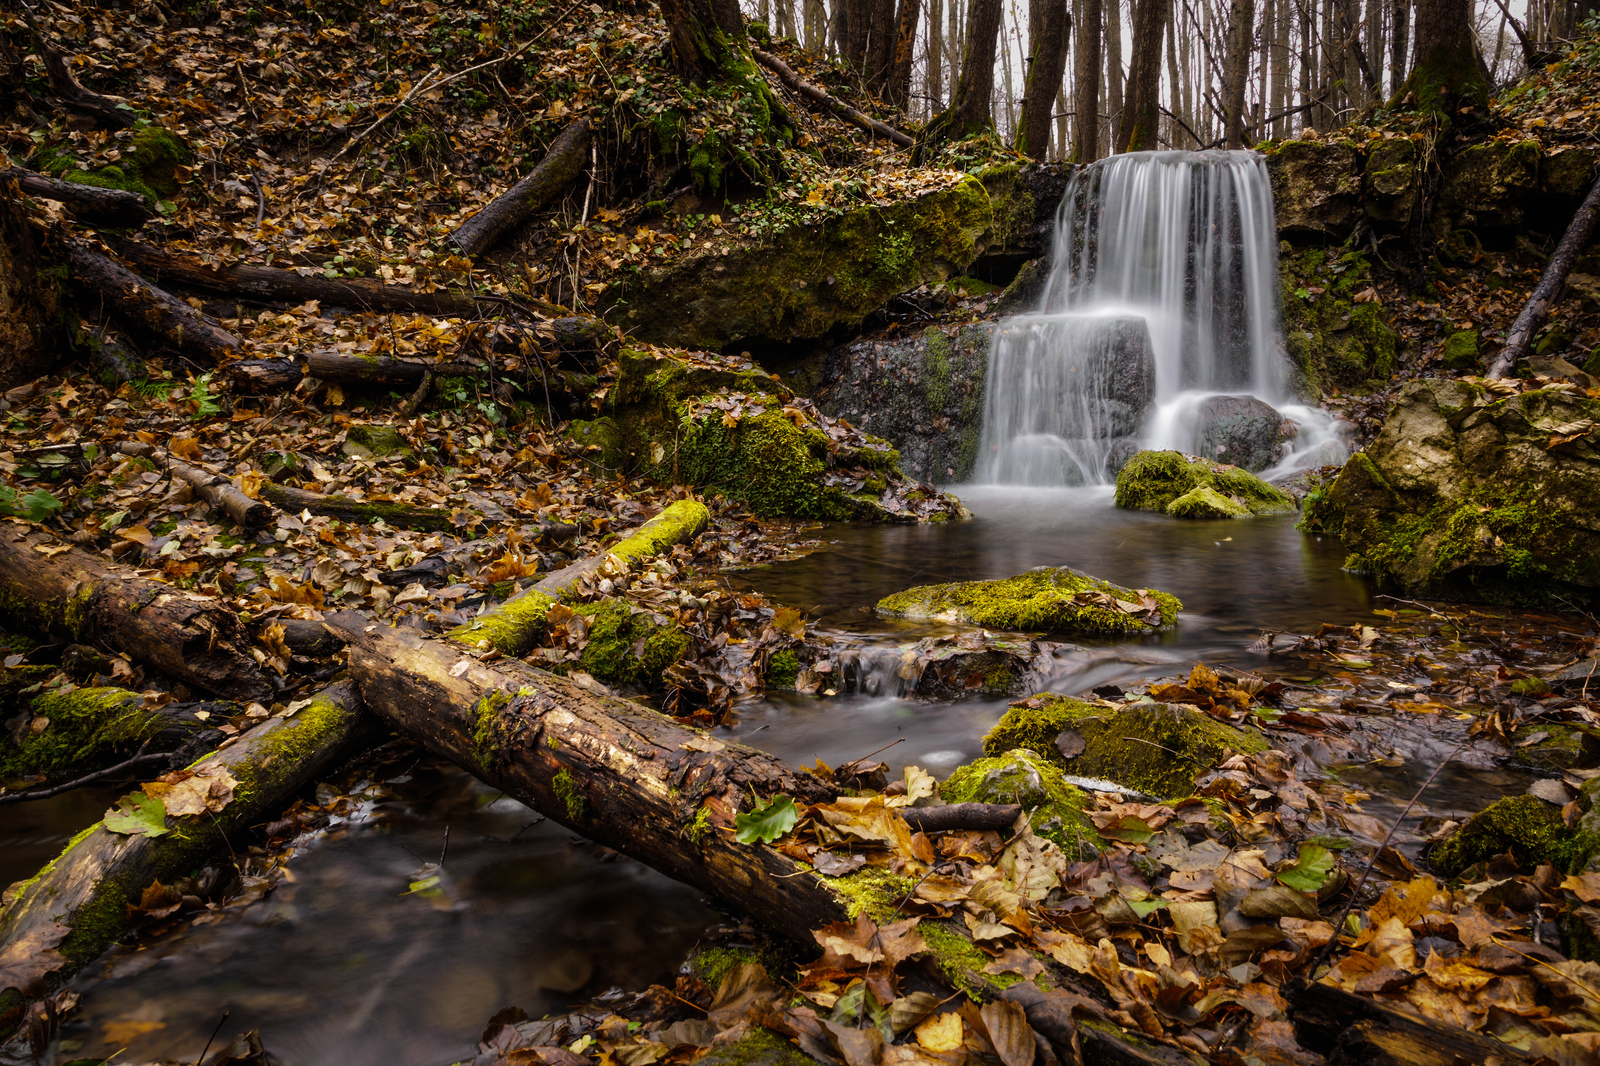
{"x":820,"y":96}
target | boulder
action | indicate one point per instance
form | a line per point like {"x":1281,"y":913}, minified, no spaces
{"x":1459,"y":352}
{"x":1153,"y":481}
{"x":1316,"y":187}
{"x":1049,"y":599}
{"x":1488,"y":188}
{"x":1474,"y":494}
{"x":1028,"y":778}
{"x":1389,"y":182}
{"x":1240,"y":431}
{"x":1206,"y":502}
{"x":1529,"y":828}
{"x":1155,"y":748}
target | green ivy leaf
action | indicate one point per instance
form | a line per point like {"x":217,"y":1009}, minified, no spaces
{"x":1310,"y":871}
{"x":138,"y":814}
{"x":767,"y":822}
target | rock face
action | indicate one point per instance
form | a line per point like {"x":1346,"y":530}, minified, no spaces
{"x":1335,"y":340}
{"x":924,"y":392}
{"x":1476,"y":495}
{"x":1241,"y":431}
{"x":1050,"y":599}
{"x":1156,"y":481}
{"x":1316,"y":187}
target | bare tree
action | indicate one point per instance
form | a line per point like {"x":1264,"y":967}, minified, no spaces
{"x":1236,"y":69}
{"x":970,"y":104}
{"x":1446,"y":70}
{"x":1086,"y":76}
{"x":898,"y":87}
{"x":1049,"y":31}
{"x":1141,"y":110}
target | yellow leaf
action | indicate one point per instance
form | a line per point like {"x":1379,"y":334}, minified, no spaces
{"x":185,"y":448}
{"x":943,"y":1032}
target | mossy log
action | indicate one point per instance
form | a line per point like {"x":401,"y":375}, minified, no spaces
{"x":828,"y":102}
{"x":1551,"y":285}
{"x":219,"y":493}
{"x":258,"y":284}
{"x":78,"y":904}
{"x":61,"y":735}
{"x":515,"y":626}
{"x":660,"y":791}
{"x":76,"y":595}
{"x":559,"y":168}
{"x":399,"y":515}
{"x":147,"y":309}
{"x":1347,"y":1028}
{"x":89,"y":203}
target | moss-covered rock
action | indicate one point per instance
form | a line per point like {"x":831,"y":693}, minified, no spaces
{"x":603,"y":443}
{"x":627,"y":646}
{"x":1156,"y":748}
{"x":1153,"y":481}
{"x":1527,"y":827}
{"x":1463,"y":496}
{"x":1488,"y":187}
{"x":1459,"y":352}
{"x":375,"y":441}
{"x":153,"y":164}
{"x":1026,"y":777}
{"x":1206,"y":502}
{"x":1316,"y":186}
{"x":1389,"y":182}
{"x":1052,"y":599}
{"x":1334,"y":341}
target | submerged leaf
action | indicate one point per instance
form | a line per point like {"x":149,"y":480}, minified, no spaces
{"x":1310,"y":870}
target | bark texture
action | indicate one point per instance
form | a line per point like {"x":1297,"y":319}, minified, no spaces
{"x":560,"y":167}
{"x":147,"y":309}
{"x":116,"y":207}
{"x":31,"y":334}
{"x":1049,"y":31}
{"x":1446,"y":72}
{"x":1348,"y":1028}
{"x":1086,"y":87}
{"x":216,"y":490}
{"x":969,"y":108}
{"x":1141,"y":108}
{"x":1236,"y":69}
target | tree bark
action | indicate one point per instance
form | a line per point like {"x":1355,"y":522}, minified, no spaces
{"x":1111,"y":12}
{"x":399,"y":515}
{"x":32,"y":337}
{"x":898,"y":90}
{"x":78,"y":906}
{"x":217,"y":491}
{"x":832,"y":103}
{"x":1086,"y":87}
{"x":1236,"y":68}
{"x":560,"y":167}
{"x":1141,"y":110}
{"x":116,"y":207}
{"x":1049,"y":30}
{"x":147,"y":309}
{"x":972,"y":100}
{"x":271,"y":284}
{"x":74,"y":594}
{"x":1548,"y":291}
{"x":1446,"y":72}
{"x":1349,"y":1028}
{"x":1399,"y":39}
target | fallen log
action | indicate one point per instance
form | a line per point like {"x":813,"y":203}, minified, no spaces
{"x":118,"y":207}
{"x":514,"y":627}
{"x":1347,"y":1028}
{"x":817,"y":95}
{"x":948,"y":816}
{"x":147,"y":308}
{"x":79,"y":904}
{"x":1548,"y":291}
{"x":219,"y":493}
{"x":559,"y":168}
{"x":399,"y":515}
{"x":112,"y":112}
{"x":54,"y":588}
{"x":264,"y":377}
{"x":271,"y":284}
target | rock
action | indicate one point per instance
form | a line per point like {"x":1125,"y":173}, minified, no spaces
{"x":1587,"y":288}
{"x":605,"y":451}
{"x":1206,"y":502}
{"x":1152,"y":481}
{"x":1026,"y":777}
{"x":1334,"y":341}
{"x":1240,"y":431}
{"x":725,"y":425}
{"x":1460,"y":352}
{"x":1526,"y":826}
{"x":368,"y":441}
{"x":1316,"y":187}
{"x":1488,"y":187}
{"x":1579,"y":673}
{"x":1388,"y":182}
{"x":1464,"y":495}
{"x":1554,"y":339}
{"x":1553,"y":366}
{"x":1156,"y":748}
{"x":1049,"y":599}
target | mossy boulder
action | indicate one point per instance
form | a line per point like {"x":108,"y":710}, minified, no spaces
{"x":1389,"y":180}
{"x":1487,"y":187}
{"x":372,"y":441}
{"x":1206,"y":502}
{"x":1157,"y":748}
{"x":1526,"y":826}
{"x":1334,"y":340}
{"x":603,"y":444}
{"x":627,"y":646}
{"x":152,"y":163}
{"x":1154,"y":481}
{"x":1055,"y":599}
{"x":698,"y":419}
{"x":1026,"y":777}
{"x":1316,"y":187}
{"x":1459,"y":352}
{"x":1468,"y":494}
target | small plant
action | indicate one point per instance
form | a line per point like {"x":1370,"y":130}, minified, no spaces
{"x":36,"y":506}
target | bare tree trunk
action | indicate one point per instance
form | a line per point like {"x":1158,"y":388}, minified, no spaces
{"x":1010,"y":95}
{"x":879,"y":56}
{"x":816,"y":24}
{"x":1112,"y":14}
{"x":970,"y":104}
{"x":1447,"y":70}
{"x":1049,"y":31}
{"x":1399,"y":27}
{"x":1280,"y":69}
{"x":1142,"y":107}
{"x":1175,"y":137}
{"x":933,"y":49}
{"x":1236,"y":69}
{"x":33,"y":335}
{"x":1269,"y":15}
{"x":1545,"y":294}
{"x":905,"y":50}
{"x":1086,"y":108}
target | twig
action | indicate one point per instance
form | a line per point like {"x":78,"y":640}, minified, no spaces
{"x":387,"y":115}
{"x":214,"y":1033}
{"x":56,"y":790}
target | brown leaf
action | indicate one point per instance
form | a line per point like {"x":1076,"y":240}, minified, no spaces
{"x":1009,"y":1032}
{"x":30,"y":957}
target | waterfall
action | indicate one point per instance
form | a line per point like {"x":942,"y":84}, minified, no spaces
{"x":1159,"y":324}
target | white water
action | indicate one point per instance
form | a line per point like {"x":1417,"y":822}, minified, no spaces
{"x":1183,"y":243}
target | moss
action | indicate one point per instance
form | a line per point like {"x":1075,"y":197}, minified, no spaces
{"x":1152,"y":481}
{"x":87,"y":727}
{"x":602,"y":442}
{"x":1460,"y":352}
{"x":700,"y":830}
{"x":486,"y":738}
{"x":150,"y":165}
{"x":571,"y":796}
{"x":1334,"y":341}
{"x":871,"y":890}
{"x":1527,"y":827}
{"x":1156,"y":748}
{"x":1024,"y":776}
{"x":712,"y":964}
{"x":616,"y":630}
{"x":295,"y":742}
{"x":961,"y":961}
{"x":368,"y":441}
{"x":1055,"y":599}
{"x":760,"y":1047}
{"x":1206,"y":502}
{"x":783,"y":669}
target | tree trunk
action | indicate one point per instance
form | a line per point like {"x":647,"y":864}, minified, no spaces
{"x":1141,"y":109}
{"x":399,"y":515}
{"x":970,"y":104}
{"x":933,"y":51}
{"x":832,"y":103}
{"x":78,"y":906}
{"x":74,"y":594}
{"x":1446,"y":73}
{"x":32,"y":337}
{"x":708,"y":38}
{"x":1548,"y":291}
{"x":1049,"y":31}
{"x":559,"y":168}
{"x":1236,"y":68}
{"x":1111,"y":13}
{"x":1086,"y":107}
{"x":1399,"y":39}
{"x":905,"y":52}
{"x":115,"y":207}
{"x":147,"y":309}
{"x":879,"y":60}
{"x":257,"y":284}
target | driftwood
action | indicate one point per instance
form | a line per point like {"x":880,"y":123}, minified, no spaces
{"x":817,"y":95}
{"x":118,"y":207}
{"x":1352,"y":1029}
{"x":1550,"y":286}
{"x":270,"y":284}
{"x":219,"y":493}
{"x":79,"y":903}
{"x":514,"y":627}
{"x":148,"y":309}
{"x":559,"y":168}
{"x":73,"y":594}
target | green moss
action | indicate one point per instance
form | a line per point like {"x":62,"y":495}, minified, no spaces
{"x":150,"y":165}
{"x":961,"y":962}
{"x":571,"y":796}
{"x":1527,"y":827}
{"x":1156,"y":748}
{"x":87,"y":728}
{"x":616,"y":630}
{"x":297,"y":741}
{"x":700,"y":830}
{"x":761,"y":1047}
{"x":486,"y":732}
{"x":783,"y":669}
{"x":1334,"y":341}
{"x":712,"y":964}
{"x":1054,"y":599}
{"x":871,"y":890}
{"x":1152,"y":481}
{"x":1026,"y":777}
{"x":1460,"y":352}
{"x":1206,"y":502}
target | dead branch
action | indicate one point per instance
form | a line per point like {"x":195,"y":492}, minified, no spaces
{"x":1550,"y":286}
{"x":559,"y":168}
{"x":829,"y":102}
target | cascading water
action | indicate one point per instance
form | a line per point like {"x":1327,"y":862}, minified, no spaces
{"x":1159,"y":319}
